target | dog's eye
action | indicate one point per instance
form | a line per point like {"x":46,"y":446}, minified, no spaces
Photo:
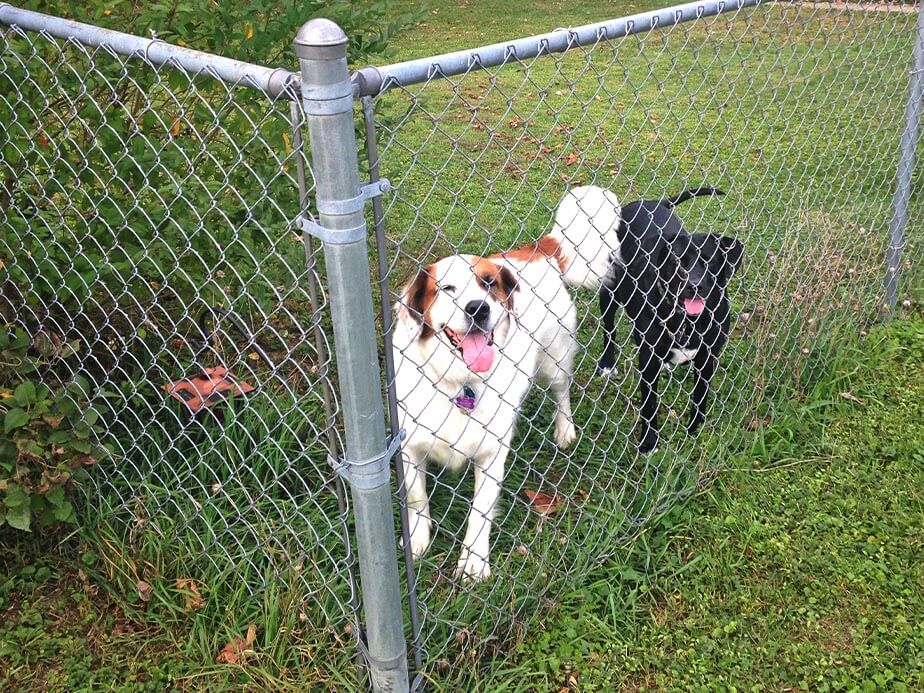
{"x":448,"y":288}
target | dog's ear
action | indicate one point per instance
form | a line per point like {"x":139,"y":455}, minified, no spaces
{"x":417,"y":298}
{"x":507,"y":285}
{"x":723,"y":255}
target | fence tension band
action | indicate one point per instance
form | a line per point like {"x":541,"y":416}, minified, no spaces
{"x":366,"y":192}
{"x":385,"y":664}
{"x":372,"y":472}
{"x":338,"y":208}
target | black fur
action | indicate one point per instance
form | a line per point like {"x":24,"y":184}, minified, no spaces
{"x":658,"y":266}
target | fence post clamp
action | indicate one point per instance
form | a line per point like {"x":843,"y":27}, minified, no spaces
{"x":372,"y":472}
{"x":342,"y":208}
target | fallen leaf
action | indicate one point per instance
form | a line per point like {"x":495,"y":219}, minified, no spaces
{"x":234,"y":651}
{"x":249,"y":34}
{"x":572,"y":159}
{"x":192,"y":598}
{"x":852,"y":397}
{"x":543,"y":503}
{"x":144,"y":590}
{"x":758,"y":423}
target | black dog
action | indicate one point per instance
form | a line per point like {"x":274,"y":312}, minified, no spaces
{"x":673,"y":287}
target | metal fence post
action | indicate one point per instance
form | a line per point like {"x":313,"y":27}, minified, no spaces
{"x":906,"y":163}
{"x":327,"y":97}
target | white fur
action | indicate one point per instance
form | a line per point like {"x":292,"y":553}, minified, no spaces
{"x":585,"y":225}
{"x":679,"y":356}
{"x":534,"y":340}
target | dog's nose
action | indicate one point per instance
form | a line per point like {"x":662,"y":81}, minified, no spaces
{"x":478,"y":310}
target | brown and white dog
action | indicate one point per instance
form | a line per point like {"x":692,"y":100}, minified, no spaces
{"x":472,"y":335}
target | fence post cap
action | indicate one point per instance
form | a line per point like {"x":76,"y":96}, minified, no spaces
{"x":320,"y":34}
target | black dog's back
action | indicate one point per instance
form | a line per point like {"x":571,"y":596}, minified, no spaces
{"x":645,"y":216}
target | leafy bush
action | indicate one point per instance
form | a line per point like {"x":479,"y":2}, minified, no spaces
{"x":49,"y":433}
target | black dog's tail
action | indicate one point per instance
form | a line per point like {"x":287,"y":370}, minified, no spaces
{"x":690,"y":194}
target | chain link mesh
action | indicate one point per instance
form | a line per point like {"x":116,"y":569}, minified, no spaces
{"x":148,"y":233}
{"x":148,"y":219}
{"x":794,"y":110}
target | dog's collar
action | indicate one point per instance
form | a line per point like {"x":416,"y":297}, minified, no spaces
{"x":466,"y":400}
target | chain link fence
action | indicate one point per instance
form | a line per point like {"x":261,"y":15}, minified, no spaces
{"x":792,"y":109}
{"x":149,"y":249}
{"x":153,"y":206}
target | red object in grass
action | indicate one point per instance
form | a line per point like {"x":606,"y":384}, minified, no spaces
{"x":543,"y":503}
{"x":210,"y":386}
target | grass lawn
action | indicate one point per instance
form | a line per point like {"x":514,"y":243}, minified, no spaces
{"x":799,"y":567}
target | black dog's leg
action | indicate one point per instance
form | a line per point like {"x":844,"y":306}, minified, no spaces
{"x":608,"y":306}
{"x":649,"y":366}
{"x":705,"y":364}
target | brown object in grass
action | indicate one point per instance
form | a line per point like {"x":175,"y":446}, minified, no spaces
{"x":209,"y":386}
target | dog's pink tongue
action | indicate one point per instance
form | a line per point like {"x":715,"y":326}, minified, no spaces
{"x":476,"y":351}
{"x":694,"y":306}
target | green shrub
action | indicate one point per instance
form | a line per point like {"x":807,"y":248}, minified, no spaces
{"x":48,"y":434}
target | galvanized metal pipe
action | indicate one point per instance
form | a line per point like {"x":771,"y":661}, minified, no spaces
{"x":327,"y":98}
{"x":906,"y":162}
{"x":274,"y":82}
{"x":372,"y":155}
{"x":374,"y":80}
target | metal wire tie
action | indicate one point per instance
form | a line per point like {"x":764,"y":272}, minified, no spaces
{"x":342,"y":208}
{"x":352,"y":471}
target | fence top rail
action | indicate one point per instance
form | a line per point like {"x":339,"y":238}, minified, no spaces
{"x":273,"y":82}
{"x":375,"y":80}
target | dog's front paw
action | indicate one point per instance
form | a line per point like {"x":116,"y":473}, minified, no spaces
{"x":420,"y":536}
{"x":565,"y":434}
{"x":605,"y":369}
{"x":648,"y":443}
{"x":472,"y":568}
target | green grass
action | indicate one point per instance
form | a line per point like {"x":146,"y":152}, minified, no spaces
{"x":797,"y":116}
{"x":799,"y":567}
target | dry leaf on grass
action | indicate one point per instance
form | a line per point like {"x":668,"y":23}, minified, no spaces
{"x":234,"y":651}
{"x":758,"y":423}
{"x":543,"y":503}
{"x":144,"y":590}
{"x":192,"y":598}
